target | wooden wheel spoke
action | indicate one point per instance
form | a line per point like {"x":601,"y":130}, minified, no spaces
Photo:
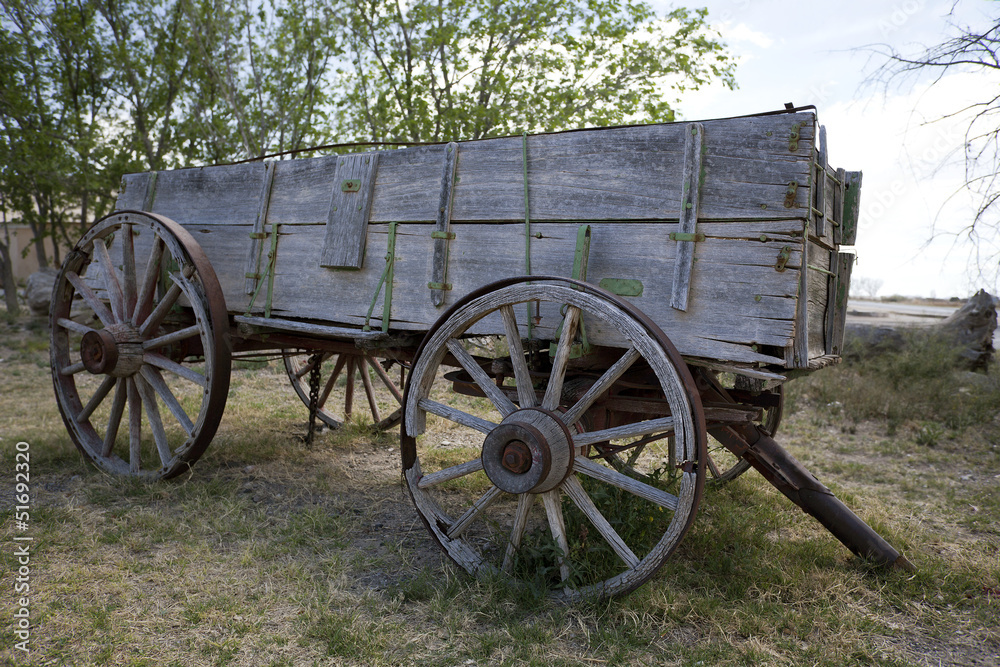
{"x":450,"y":473}
{"x":83,"y":289}
{"x":173,"y":337}
{"x":161,"y":361}
{"x":635,"y":487}
{"x":636,"y":429}
{"x":308,"y":366}
{"x":386,"y":380}
{"x":75,"y":327}
{"x":332,"y":380}
{"x":115,"y":418}
{"x":455,"y":415}
{"x":522,"y":376}
{"x":128,"y":267}
{"x":470,"y":515}
{"x":134,"y":426}
{"x":162,"y":308}
{"x":143,"y":303}
{"x":604,"y":383}
{"x":524,"y":503}
{"x":713,"y":468}
{"x":95,"y":400}
{"x":349,"y":388}
{"x":111,"y":281}
{"x":369,"y":391}
{"x":557,"y":526}
{"x":159,"y":385}
{"x":553,"y":392}
{"x":72,"y":369}
{"x":482,"y":380}
{"x":153,"y":416}
{"x":583,"y":501}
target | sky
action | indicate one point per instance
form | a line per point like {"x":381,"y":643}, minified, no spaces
{"x":814,"y":53}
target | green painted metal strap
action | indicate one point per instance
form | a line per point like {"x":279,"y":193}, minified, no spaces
{"x":385,"y":280}
{"x":582,"y":255}
{"x":268,"y":273}
{"x":272,"y":258}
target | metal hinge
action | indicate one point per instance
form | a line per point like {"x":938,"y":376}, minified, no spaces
{"x":793,"y":188}
{"x":783,"y":257}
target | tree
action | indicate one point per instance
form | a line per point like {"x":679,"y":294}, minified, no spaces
{"x":975,"y":50}
{"x":53,"y":115}
{"x":92,"y":89}
{"x":260,"y":80}
{"x":866,"y":287}
{"x":430,"y":70}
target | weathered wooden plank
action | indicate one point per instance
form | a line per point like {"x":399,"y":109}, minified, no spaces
{"x":800,"y":346}
{"x":616,"y":173}
{"x":820,"y":188}
{"x":837,"y":206}
{"x":836,"y":315}
{"x":852,"y":207}
{"x":309,"y":328}
{"x":820,"y":277}
{"x":691,"y":178}
{"x":210,"y":195}
{"x":747,"y":301}
{"x":350,"y":206}
{"x":439,"y":277}
{"x":255,"y":265}
{"x":134,"y":192}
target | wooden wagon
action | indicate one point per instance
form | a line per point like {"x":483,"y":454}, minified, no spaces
{"x":576,"y":330}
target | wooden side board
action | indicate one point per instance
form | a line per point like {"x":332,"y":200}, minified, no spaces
{"x":741,"y":302}
{"x":631,"y":173}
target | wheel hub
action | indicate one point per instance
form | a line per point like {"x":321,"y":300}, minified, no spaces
{"x":530,"y":451}
{"x":115,"y":351}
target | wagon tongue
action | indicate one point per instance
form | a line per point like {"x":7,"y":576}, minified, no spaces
{"x":790,"y":477}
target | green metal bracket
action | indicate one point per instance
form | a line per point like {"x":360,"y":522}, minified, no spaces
{"x":385,"y":280}
{"x":351,"y":185}
{"x":580,"y":260}
{"x":697,"y":237}
{"x":582,"y":255}
{"x":793,"y":138}
{"x":447,"y":236}
{"x":444,"y":286}
{"x":622,"y":286}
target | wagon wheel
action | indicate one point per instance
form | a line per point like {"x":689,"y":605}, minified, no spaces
{"x":341,"y":374}
{"x":141,"y":381}
{"x":476,"y":466}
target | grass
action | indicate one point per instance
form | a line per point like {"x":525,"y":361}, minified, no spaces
{"x":270,"y":552}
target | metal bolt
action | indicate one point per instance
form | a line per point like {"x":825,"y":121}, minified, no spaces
{"x":516,"y":457}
